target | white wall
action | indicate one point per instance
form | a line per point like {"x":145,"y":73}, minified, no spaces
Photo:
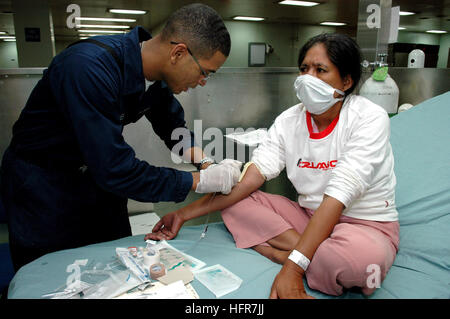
{"x":418,"y":37}
{"x":286,"y":39}
{"x":8,"y":55}
{"x":444,"y":51}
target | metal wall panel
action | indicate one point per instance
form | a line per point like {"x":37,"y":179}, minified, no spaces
{"x":418,"y":85}
{"x":233,"y":98}
{"x":373,"y":40}
{"x":15,"y":87}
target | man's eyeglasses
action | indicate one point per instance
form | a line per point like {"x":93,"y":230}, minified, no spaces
{"x":206,"y":75}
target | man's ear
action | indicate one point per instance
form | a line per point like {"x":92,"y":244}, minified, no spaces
{"x":178,"y":52}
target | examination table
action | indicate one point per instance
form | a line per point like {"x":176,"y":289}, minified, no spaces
{"x":420,"y":140}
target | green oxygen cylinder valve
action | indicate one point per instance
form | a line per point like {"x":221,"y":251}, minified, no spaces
{"x":380,"y":74}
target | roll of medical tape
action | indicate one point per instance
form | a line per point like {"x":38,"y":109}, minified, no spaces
{"x":157,"y":270}
{"x":151,"y":257}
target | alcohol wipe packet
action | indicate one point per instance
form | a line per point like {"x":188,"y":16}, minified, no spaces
{"x":218,"y":279}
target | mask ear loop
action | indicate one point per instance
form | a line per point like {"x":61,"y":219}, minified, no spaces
{"x":341,"y":93}
{"x":342,"y":98}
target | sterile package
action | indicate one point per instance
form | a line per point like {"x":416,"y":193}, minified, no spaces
{"x":252,"y":138}
{"x":115,"y":284}
{"x":134,"y":264}
{"x":176,"y":290}
{"x":74,"y":290}
{"x":218,"y":279}
{"x":173,"y":258}
{"x":97,"y":281}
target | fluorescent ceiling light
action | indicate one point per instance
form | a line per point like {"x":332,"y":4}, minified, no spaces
{"x":102,"y":26}
{"x":104,"y":19}
{"x":2,"y":32}
{"x":242,"y":18}
{"x":436,"y":31}
{"x":335,"y":24}
{"x":406,"y":13}
{"x":100,"y":31}
{"x":10,"y":40}
{"x":299,"y":3}
{"x":7,"y":37}
{"x":401,"y":28}
{"x":124,"y":11}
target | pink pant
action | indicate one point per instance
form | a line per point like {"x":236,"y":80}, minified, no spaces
{"x":356,"y":251}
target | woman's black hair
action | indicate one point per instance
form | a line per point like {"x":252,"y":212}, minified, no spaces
{"x":342,"y":50}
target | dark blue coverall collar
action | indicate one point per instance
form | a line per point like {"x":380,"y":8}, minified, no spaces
{"x":134,"y":80}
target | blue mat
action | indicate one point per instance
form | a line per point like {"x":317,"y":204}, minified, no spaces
{"x":420,"y":141}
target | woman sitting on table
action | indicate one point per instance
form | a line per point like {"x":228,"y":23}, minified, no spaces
{"x":343,"y":231}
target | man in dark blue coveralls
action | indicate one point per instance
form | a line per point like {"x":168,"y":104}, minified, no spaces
{"x":68,"y":172}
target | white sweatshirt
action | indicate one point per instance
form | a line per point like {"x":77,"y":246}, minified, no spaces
{"x":351,"y":160}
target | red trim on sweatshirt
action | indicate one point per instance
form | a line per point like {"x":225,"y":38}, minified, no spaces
{"x":325,"y":132}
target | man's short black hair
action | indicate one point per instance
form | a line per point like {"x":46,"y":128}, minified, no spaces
{"x":201,"y":28}
{"x":342,"y":50}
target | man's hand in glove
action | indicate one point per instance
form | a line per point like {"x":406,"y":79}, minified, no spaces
{"x":219,"y":177}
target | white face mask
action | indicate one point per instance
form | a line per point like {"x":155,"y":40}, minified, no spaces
{"x":316,"y":95}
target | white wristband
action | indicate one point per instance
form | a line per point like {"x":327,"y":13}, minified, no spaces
{"x":300,"y":259}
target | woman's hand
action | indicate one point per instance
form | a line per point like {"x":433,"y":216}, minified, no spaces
{"x":167,"y":228}
{"x":288,"y":284}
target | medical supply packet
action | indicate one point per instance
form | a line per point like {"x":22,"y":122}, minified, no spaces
{"x":218,"y":279}
{"x":115,"y":284}
{"x":173,"y":258}
{"x":73,"y":290}
{"x":252,"y":138}
{"x":135,"y":265}
{"x":175,"y":290}
{"x":96,"y":281}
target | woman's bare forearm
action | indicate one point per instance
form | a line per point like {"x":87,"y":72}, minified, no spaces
{"x":318,"y":229}
{"x":210,"y":203}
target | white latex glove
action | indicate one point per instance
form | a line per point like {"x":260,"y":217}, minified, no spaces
{"x":219,"y":177}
